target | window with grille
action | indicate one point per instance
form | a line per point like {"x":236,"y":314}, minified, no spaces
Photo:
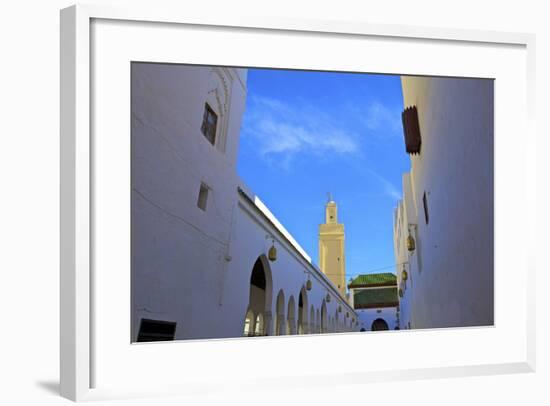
{"x":209,"y":124}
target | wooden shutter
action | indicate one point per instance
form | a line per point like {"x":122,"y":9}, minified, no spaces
{"x":411,"y":130}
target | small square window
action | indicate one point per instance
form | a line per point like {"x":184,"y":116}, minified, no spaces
{"x":156,"y":330}
{"x":426,"y":214}
{"x":209,"y":124}
{"x":203,"y":197}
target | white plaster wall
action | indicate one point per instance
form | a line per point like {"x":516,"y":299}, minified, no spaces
{"x":193,"y":266}
{"x":178,"y":250}
{"x":367,"y":316}
{"x":452,"y":267}
{"x":405,"y":216}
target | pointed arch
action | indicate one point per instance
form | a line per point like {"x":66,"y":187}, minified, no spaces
{"x":324,"y":317}
{"x":260,"y":296}
{"x":280,"y":319}
{"x":291,"y":316}
{"x":303,"y":312}
{"x":312,"y":320}
{"x":379,"y":324}
{"x":317,"y":321}
{"x":248,"y":328}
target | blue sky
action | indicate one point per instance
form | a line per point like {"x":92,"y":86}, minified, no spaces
{"x":308,"y":133}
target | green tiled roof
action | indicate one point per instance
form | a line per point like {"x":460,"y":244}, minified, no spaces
{"x":381,"y":297}
{"x":374,"y":279}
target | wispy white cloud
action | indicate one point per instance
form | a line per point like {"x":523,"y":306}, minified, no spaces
{"x":382,"y":120}
{"x":282,"y":131}
{"x":388,"y":187}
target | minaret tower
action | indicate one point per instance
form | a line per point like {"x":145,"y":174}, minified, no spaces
{"x":332,"y":260}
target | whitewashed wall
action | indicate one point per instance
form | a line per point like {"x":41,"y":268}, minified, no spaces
{"x":178,"y":250}
{"x":452,"y":267}
{"x":367,"y":317}
{"x":405,"y":215}
{"x":193,"y":266}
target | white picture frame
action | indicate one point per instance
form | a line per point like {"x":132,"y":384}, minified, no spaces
{"x":77,"y":323}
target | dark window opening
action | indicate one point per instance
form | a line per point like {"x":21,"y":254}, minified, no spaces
{"x":258,"y":275}
{"x":379,"y":325}
{"x":426,"y":214}
{"x":156,"y":330}
{"x":209,"y":124}
{"x":203,"y":197}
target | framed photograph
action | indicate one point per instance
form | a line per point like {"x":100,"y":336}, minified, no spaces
{"x":256,"y":201}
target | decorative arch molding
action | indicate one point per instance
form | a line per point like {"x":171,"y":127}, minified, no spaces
{"x":220,"y":84}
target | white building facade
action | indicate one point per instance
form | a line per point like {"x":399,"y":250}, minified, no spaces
{"x":209,"y":260}
{"x":443,"y":226}
{"x":374,"y":298}
{"x":380,"y":319}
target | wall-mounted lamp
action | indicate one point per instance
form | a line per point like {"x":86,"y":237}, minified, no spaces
{"x":272,"y":253}
{"x":308,"y":284}
{"x":411,"y":244}
{"x":328,"y":298}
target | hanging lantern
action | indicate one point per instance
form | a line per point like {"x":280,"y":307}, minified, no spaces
{"x":404,"y":275}
{"x":347,"y":314}
{"x":339,"y":309}
{"x":272,"y":253}
{"x":411,"y":246}
{"x":328,"y":298}
{"x":400,"y":292}
{"x":308,"y":284}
